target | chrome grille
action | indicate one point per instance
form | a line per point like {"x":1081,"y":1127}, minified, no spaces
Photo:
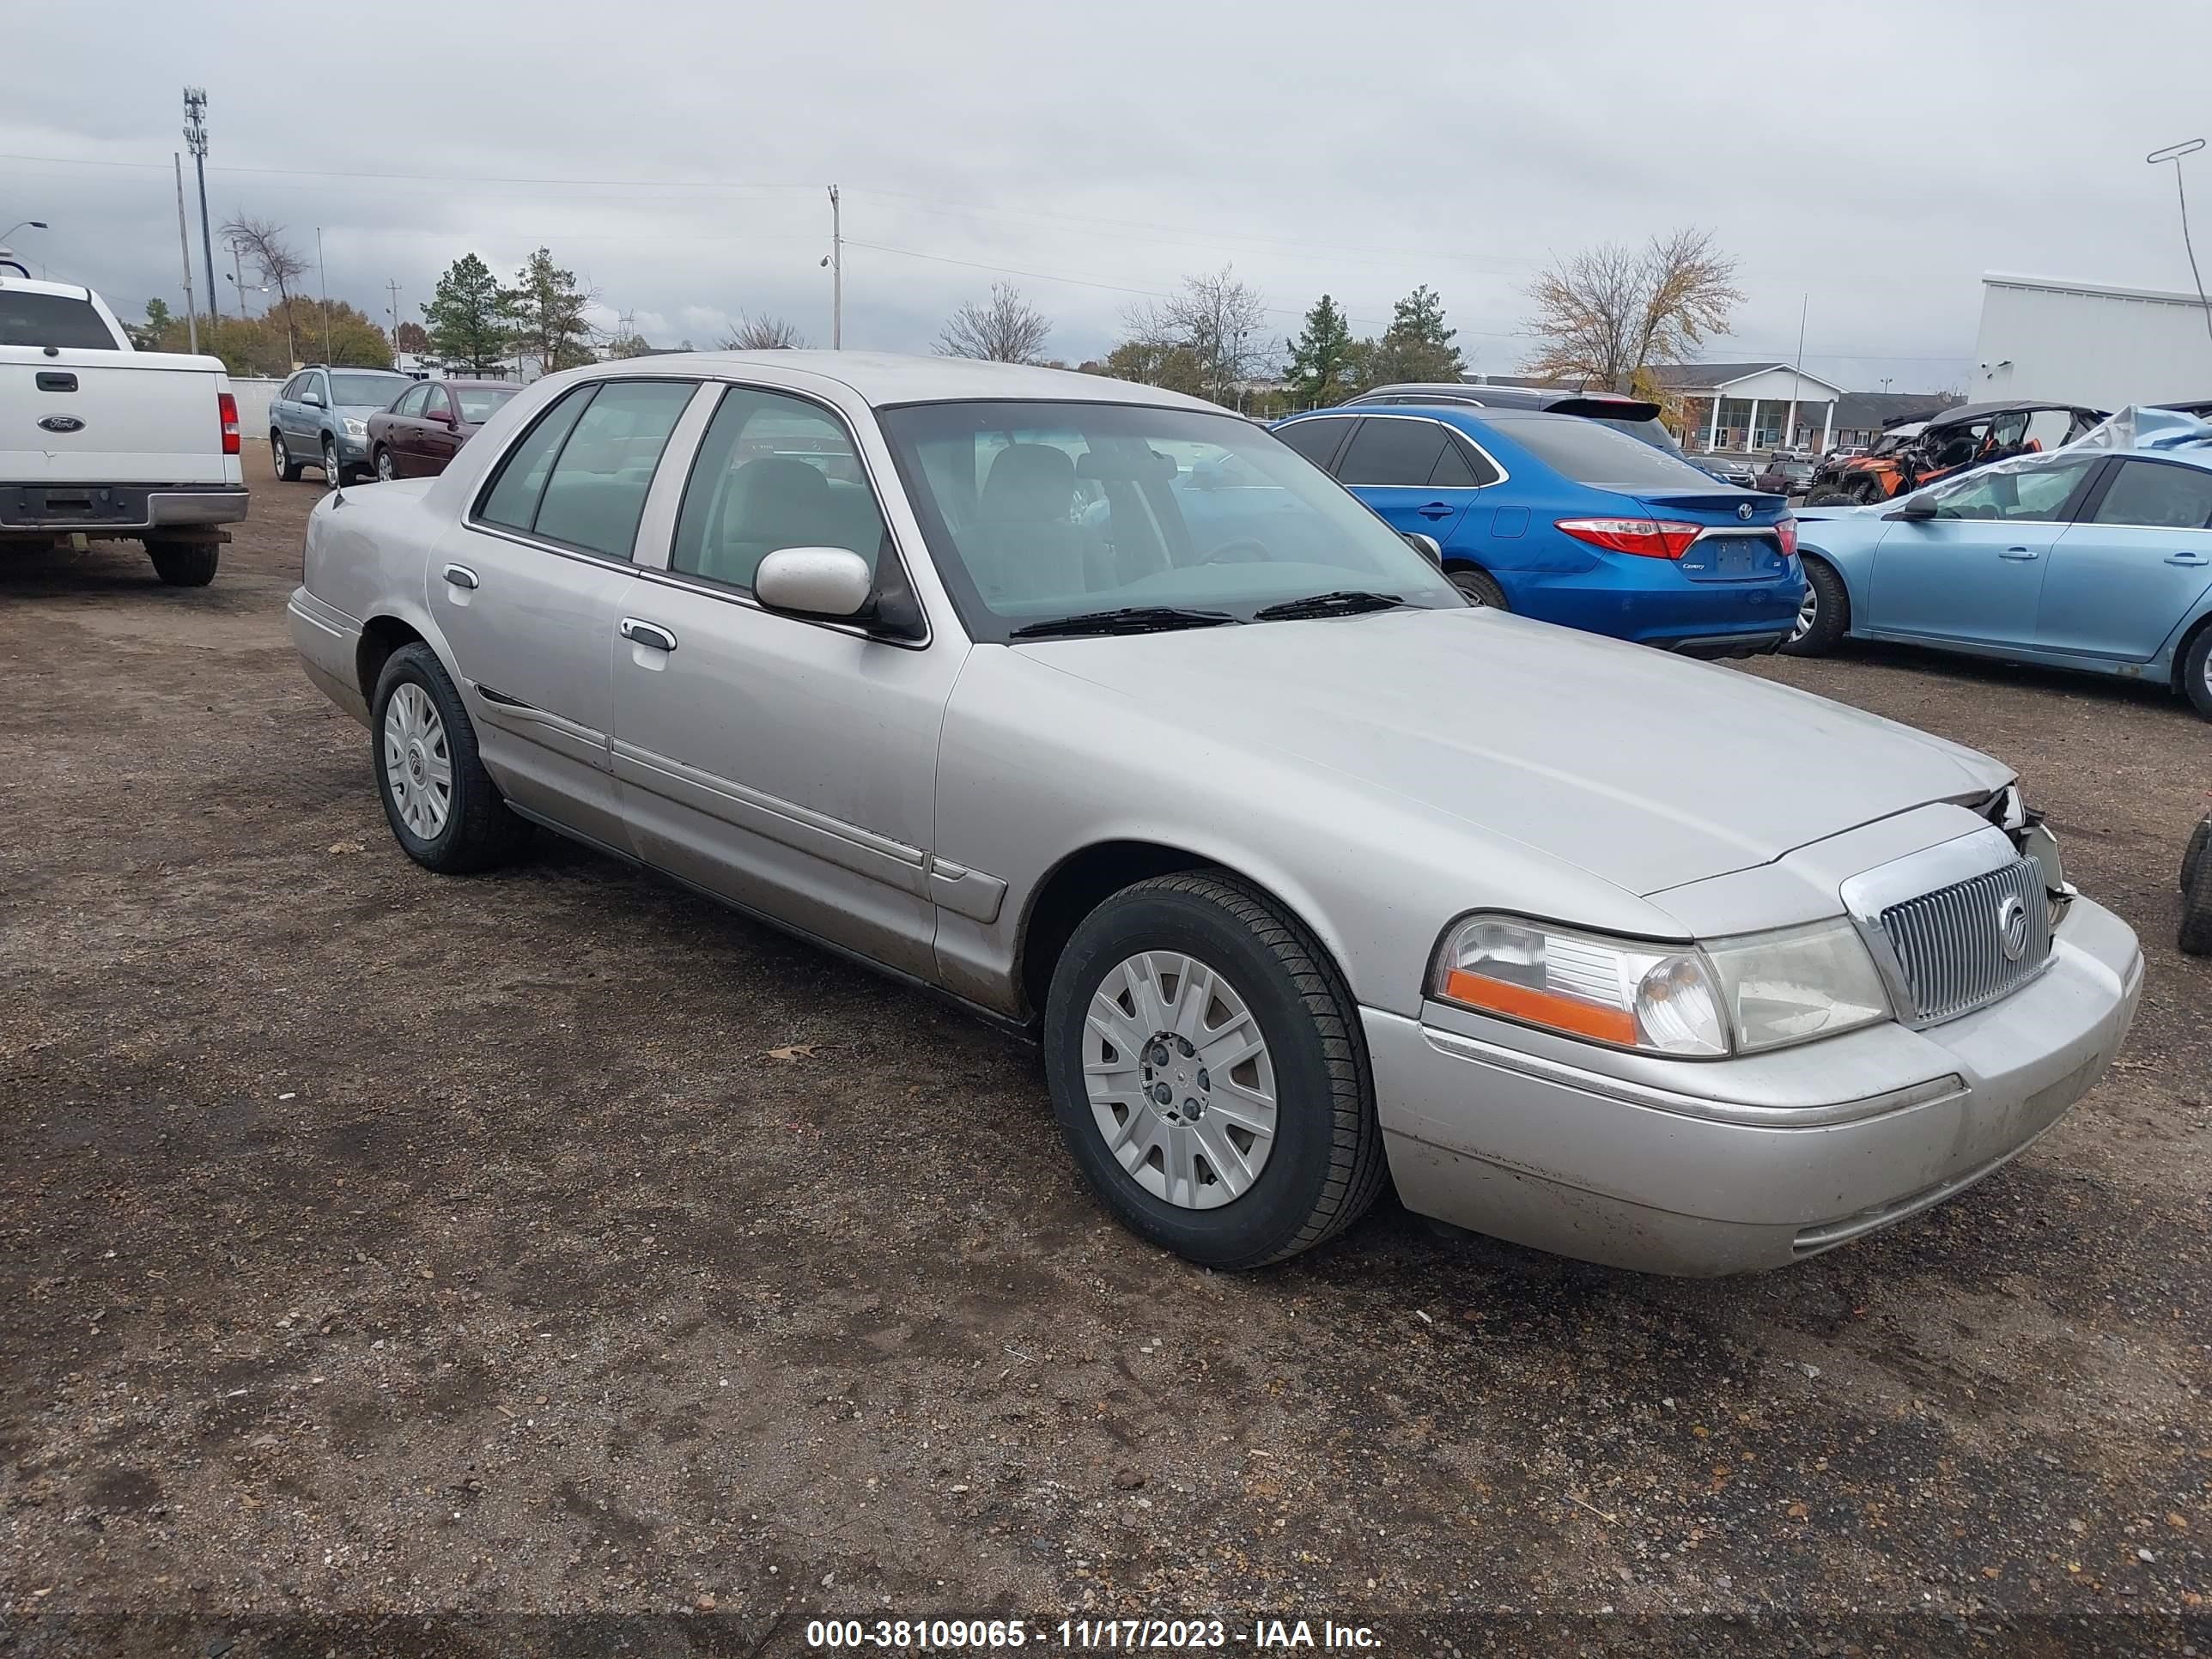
{"x":1950,"y":944}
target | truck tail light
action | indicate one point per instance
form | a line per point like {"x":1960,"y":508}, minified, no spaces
{"x":1786,"y":534}
{"x":1653,"y":538}
{"x":227,"y":407}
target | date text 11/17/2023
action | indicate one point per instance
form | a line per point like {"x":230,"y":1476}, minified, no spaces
{"x":1086,"y":1635}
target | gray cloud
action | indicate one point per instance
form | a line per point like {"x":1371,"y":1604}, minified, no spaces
{"x":1871,"y":161}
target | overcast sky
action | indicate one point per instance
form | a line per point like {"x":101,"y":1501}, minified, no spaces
{"x":1872,"y":161}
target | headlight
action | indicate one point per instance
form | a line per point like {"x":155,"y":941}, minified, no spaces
{"x":355,"y":429}
{"x":1731,"y":996}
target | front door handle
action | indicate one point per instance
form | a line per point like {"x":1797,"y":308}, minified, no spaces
{"x":638,"y":631}
{"x":2020,"y":555}
{"x":1434,"y":510}
{"x":460,"y":576}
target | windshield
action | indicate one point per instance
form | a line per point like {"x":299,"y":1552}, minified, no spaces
{"x":351,"y":391}
{"x":480,"y":403}
{"x":1040,"y":511}
{"x":1595,"y":452}
{"x":52,"y":320}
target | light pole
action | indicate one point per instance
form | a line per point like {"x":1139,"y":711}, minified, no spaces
{"x":1885,"y":384}
{"x":2173,"y":152}
{"x":20,"y":224}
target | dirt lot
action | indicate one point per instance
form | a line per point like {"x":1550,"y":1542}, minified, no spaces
{"x":377,"y":1243}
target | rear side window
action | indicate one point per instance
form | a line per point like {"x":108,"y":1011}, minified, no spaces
{"x":1386,"y":453}
{"x":1592,"y":452}
{"x":412,"y":403}
{"x":512,"y":498}
{"x":480,"y":403}
{"x":595,"y":494}
{"x":2158,"y":496}
{"x":52,"y":320}
{"x":1461,"y":466}
{"x":1314,"y":440}
{"x":773,"y":472}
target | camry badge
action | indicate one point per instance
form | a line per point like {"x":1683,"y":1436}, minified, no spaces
{"x":62,"y":423}
{"x":2012,"y":928}
{"x":1744,"y":512}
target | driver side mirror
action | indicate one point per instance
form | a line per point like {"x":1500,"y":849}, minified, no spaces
{"x":1915,"y":508}
{"x":834,"y":584}
{"x":315,"y":398}
{"x":1427,"y":546}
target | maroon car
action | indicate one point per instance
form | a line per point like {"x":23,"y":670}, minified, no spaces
{"x":426,"y":425}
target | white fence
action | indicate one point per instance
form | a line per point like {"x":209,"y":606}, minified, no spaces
{"x":254,"y":396}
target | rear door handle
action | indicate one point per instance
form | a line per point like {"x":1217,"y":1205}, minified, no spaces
{"x":460,"y":576}
{"x":638,"y":631}
{"x":1435,"y":510}
{"x":2188,"y":559}
{"x":2020,"y":555}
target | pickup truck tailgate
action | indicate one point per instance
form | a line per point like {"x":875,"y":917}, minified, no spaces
{"x":140,"y":418}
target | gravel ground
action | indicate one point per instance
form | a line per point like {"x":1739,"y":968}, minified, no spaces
{"x":556,"y":1242}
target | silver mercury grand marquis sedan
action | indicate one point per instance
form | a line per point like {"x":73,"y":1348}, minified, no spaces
{"x":1103,"y":711}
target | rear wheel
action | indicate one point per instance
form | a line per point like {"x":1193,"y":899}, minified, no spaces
{"x":2192,"y":856}
{"x":184,"y":564}
{"x":286,"y":468}
{"x":2195,"y":936}
{"x":1479,"y":587}
{"x":1824,"y":616}
{"x":384,"y":471}
{"x":443,"y":808}
{"x":1207,"y":1072}
{"x":2197,"y":672}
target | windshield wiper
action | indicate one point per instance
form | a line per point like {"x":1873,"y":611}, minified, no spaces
{"x":1345,"y":602}
{"x":1131,"y":619}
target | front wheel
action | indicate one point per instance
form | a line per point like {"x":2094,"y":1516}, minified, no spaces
{"x":1208,"y":1074}
{"x":2193,"y":854}
{"x":2195,"y":936}
{"x":1479,"y":587}
{"x":443,"y":808}
{"x":184,"y":564}
{"x":2196,"y":672}
{"x":1824,"y":616}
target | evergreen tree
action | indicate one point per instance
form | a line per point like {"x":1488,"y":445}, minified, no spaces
{"x":1323,"y":357}
{"x":547,"y":309}
{"x":467,"y":320}
{"x":1417,"y":346}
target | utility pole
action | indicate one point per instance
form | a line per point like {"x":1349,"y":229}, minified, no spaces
{"x":322,"y":278}
{"x":1797,"y":371}
{"x":238,"y":282}
{"x":184,"y":247}
{"x":837,"y":275}
{"x":391,"y":287}
{"x":196,"y":140}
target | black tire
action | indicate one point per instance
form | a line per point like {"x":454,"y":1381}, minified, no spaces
{"x":1478,"y":586}
{"x":2197,"y":672}
{"x":1828,"y":496}
{"x":288,"y":469}
{"x":1831,"y":611}
{"x":184,"y":564}
{"x":479,"y":833}
{"x":1325,"y":1164}
{"x":2192,"y":856}
{"x":334,"y":473}
{"x":2195,"y":936}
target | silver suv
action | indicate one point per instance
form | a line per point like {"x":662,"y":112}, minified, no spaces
{"x":319,"y":417}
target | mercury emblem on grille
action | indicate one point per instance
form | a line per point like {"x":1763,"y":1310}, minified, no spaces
{"x":2012,"y":926}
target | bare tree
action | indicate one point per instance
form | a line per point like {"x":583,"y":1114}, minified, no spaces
{"x":1009,"y":329}
{"x":762,"y":333}
{"x":1217,"y":317}
{"x":262,"y":241}
{"x":1606,"y":315}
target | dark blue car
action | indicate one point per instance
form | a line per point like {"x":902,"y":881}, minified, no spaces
{"x":1569,"y":521}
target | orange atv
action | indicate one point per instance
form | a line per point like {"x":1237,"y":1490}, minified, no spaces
{"x":1956,"y":441}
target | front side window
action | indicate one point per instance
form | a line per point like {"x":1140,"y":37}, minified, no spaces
{"x":1037,"y":511}
{"x":434,"y":406}
{"x":294,"y":389}
{"x":772,"y":472}
{"x":316,"y":388}
{"x":2028,"y":494}
{"x":595,"y":494}
{"x":2157,"y":496}
{"x":1386,"y":453}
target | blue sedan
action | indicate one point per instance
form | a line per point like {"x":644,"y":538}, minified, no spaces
{"x":2097,"y":556}
{"x":1569,"y":521}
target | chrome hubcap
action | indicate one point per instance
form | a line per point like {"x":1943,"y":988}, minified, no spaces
{"x":1809,"y":611}
{"x":276,"y":452}
{"x":1180,"y":1080}
{"x":384,"y":467}
{"x":331,"y":467}
{"x":418,"y":769}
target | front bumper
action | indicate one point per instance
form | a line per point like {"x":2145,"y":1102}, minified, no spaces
{"x":1730,"y":1166}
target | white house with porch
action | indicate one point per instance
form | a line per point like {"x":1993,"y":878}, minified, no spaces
{"x":1752,"y":406}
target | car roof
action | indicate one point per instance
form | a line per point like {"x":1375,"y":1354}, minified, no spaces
{"x":883,"y":379}
{"x":1978,"y":411}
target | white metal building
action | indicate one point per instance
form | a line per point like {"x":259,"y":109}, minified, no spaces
{"x":2089,"y":342}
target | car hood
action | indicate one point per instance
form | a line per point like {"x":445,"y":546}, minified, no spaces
{"x":1645,"y":769}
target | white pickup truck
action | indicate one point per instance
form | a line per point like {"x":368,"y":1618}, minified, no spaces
{"x":101,"y":442}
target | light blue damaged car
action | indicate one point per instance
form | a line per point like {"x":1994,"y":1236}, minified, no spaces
{"x":2097,"y":556}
